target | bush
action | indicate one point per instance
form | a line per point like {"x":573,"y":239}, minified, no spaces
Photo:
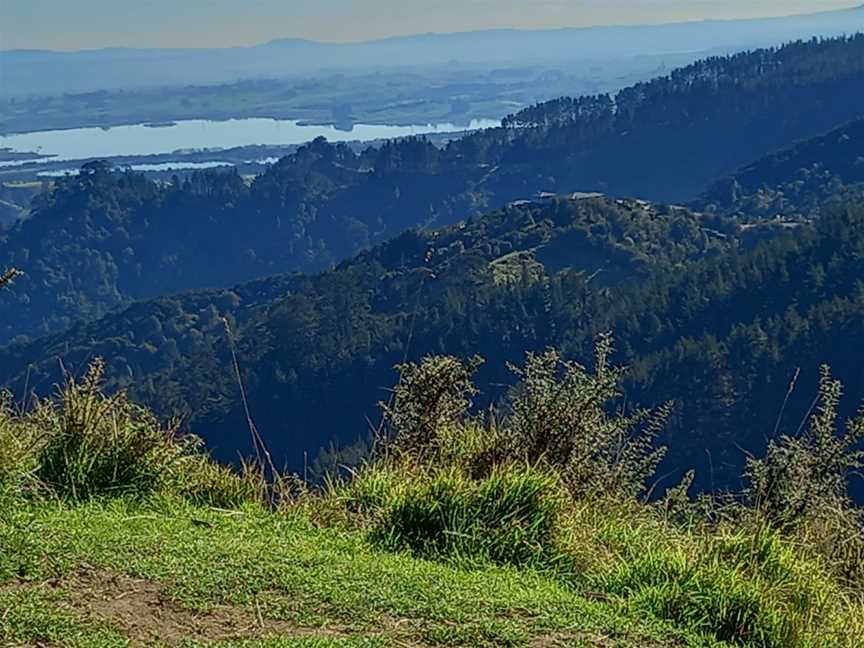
{"x":560,"y":415}
{"x":429,"y":397}
{"x":807,"y":475}
{"x":511,"y":517}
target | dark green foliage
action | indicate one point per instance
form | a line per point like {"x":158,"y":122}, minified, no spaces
{"x":702,"y":315}
{"x":795,"y":183}
{"x":340,"y":333}
{"x":718,"y":330}
{"x":802,"y":475}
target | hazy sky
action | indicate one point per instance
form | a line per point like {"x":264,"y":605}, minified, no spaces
{"x":81,"y":24}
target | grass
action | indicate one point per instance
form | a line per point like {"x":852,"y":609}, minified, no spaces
{"x":317,"y":587}
{"x":117,"y":531}
{"x":512,"y":517}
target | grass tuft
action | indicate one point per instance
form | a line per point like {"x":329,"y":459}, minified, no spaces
{"x":509,"y":518}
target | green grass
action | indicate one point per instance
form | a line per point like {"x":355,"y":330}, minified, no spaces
{"x":512,"y":517}
{"x":322,"y":587}
{"x":116,"y":531}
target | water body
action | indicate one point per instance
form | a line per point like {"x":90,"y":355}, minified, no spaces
{"x":162,"y":166}
{"x":18,"y":163}
{"x":198,"y":135}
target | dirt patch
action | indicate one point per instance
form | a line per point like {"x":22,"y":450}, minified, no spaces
{"x":565,"y":640}
{"x":596,"y":640}
{"x":140,"y":609}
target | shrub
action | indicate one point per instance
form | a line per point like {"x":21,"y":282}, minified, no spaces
{"x":429,"y":397}
{"x":807,"y":475}
{"x":560,"y":415}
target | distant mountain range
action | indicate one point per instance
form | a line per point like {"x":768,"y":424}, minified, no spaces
{"x":35,"y":72}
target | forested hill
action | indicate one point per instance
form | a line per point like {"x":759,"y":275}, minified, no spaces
{"x":717,"y":326}
{"x":103,"y":240}
{"x":794,"y":183}
{"x":666,"y":139}
{"x":317,"y":349}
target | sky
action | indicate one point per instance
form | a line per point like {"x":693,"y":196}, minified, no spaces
{"x":89,"y":24}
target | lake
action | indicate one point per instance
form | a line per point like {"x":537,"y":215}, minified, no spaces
{"x":141,"y":139}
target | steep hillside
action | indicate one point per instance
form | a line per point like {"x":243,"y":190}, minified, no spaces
{"x":312,"y":335}
{"x":101,"y":241}
{"x":717,"y":327}
{"x":795,"y":182}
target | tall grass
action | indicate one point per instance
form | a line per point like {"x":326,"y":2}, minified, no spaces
{"x":18,"y":461}
{"x":512,"y":517}
{"x":84,"y":443}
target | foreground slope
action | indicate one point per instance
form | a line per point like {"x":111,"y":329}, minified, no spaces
{"x":105,"y":575}
{"x":529,"y":528}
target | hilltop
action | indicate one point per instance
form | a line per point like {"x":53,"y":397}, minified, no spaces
{"x":524,"y":529}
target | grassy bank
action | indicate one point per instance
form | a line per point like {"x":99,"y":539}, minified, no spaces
{"x":530,"y":529}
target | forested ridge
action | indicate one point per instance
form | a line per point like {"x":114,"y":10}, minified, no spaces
{"x":794,"y":183}
{"x":702,"y":314}
{"x":363,"y":309}
{"x":716,"y":306}
{"x":103,"y":240}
